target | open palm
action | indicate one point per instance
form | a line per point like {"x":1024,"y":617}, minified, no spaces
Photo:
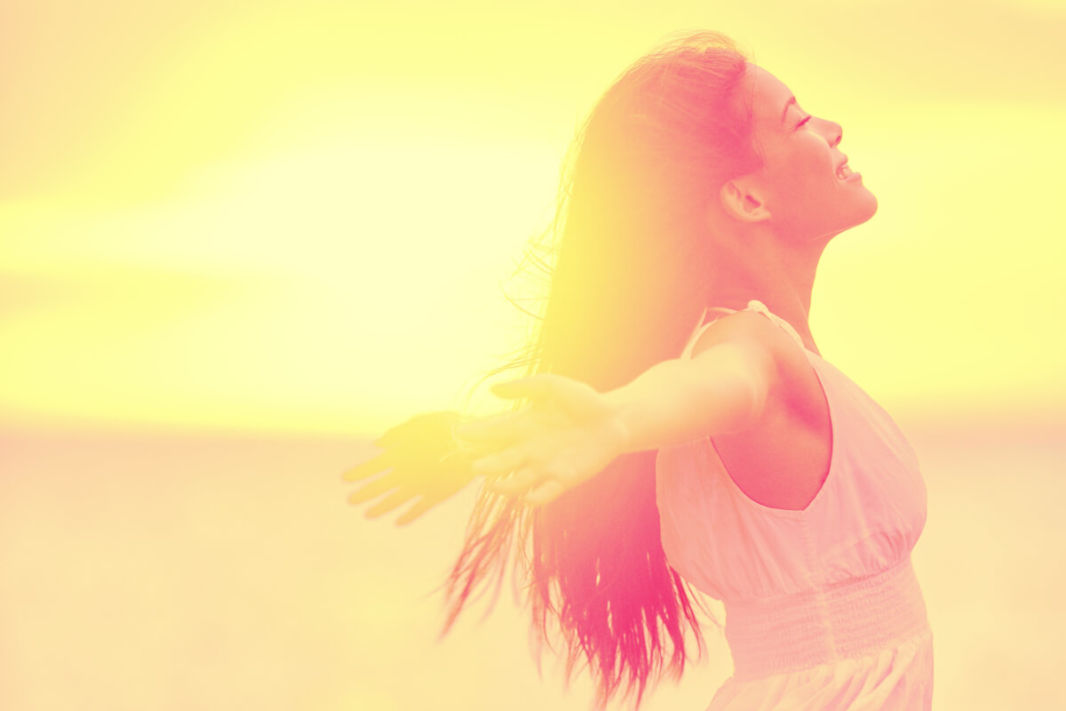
{"x":567,"y":433}
{"x":423,"y":461}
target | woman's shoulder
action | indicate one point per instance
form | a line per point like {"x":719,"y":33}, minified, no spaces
{"x":748,"y":326}
{"x":782,"y":458}
{"x":796,"y":387}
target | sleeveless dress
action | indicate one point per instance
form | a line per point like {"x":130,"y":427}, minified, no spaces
{"x":822,"y":608}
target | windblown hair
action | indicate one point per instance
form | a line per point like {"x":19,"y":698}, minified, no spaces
{"x":626,"y":257}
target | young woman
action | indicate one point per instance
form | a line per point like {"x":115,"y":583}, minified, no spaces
{"x":679,"y":425}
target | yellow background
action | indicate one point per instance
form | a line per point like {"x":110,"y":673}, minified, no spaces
{"x":236,"y":239}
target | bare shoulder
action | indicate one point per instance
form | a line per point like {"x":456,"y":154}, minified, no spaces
{"x":782,"y":459}
{"x":764,"y":338}
{"x":748,"y":327}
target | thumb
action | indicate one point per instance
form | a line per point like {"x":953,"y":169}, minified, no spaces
{"x":534,"y":387}
{"x":577,"y":398}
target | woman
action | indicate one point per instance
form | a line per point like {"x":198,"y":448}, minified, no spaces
{"x":680,"y":425}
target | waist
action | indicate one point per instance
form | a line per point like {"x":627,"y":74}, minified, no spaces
{"x":844,"y":620}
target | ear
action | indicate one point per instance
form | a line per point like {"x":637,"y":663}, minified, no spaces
{"x":743,"y":201}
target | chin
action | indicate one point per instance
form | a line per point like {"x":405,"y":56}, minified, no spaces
{"x":871,"y":202}
{"x":860,"y":213}
{"x":864,"y":207}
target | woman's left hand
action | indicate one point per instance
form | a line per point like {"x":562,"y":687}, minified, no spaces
{"x":423,"y":459}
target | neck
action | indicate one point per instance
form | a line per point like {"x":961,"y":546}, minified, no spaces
{"x":780,"y":276}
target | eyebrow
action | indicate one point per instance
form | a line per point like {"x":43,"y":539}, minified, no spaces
{"x":791,"y":100}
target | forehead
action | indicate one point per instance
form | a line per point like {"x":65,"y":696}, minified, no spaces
{"x":767,"y":93}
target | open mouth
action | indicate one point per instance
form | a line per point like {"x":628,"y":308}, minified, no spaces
{"x":844,"y":172}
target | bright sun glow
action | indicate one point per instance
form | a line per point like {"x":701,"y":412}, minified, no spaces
{"x":261,"y":223}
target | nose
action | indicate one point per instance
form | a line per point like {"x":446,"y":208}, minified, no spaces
{"x":838,"y":131}
{"x":834,"y":132}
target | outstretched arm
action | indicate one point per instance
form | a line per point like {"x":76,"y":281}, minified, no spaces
{"x":724,"y":389}
{"x":570,"y":432}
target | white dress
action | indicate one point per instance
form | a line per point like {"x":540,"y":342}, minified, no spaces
{"x":823,"y":610}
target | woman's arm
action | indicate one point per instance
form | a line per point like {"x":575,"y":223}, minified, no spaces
{"x":723,"y":389}
{"x":569,"y":432}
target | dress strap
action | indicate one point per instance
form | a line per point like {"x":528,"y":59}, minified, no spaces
{"x":759,"y":306}
{"x":753,"y":305}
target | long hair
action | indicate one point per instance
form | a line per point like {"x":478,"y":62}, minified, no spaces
{"x":626,"y":257}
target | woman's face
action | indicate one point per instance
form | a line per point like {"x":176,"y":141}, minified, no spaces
{"x":798,"y":183}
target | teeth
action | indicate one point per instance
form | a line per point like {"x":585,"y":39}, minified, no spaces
{"x":844,"y":171}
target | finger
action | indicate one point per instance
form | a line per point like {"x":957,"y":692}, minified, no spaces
{"x":456,"y":459}
{"x":516,"y":483}
{"x":369,"y":491}
{"x":365,"y":469}
{"x":500,"y":428}
{"x":390,"y":502}
{"x":580,"y":399}
{"x":495,"y":465}
{"x":548,"y":491}
{"x":426,"y":425}
{"x":575,"y":397}
{"x":534,"y":387}
{"x":415,"y":511}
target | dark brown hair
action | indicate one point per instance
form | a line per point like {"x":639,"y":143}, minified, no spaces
{"x":626,"y":258}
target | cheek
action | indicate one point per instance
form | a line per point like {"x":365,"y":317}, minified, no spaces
{"x":798,"y":182}
{"x":811,"y":176}
{"x":804,"y":190}
{"x":800,"y":176}
{"x":795,"y":163}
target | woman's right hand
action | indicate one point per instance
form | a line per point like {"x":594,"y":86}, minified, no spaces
{"x":567,"y":434}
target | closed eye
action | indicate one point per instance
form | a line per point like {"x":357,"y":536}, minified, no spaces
{"x":803,"y":121}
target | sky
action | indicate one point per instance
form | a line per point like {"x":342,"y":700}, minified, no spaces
{"x":301,"y":216}
{"x":239,"y":238}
